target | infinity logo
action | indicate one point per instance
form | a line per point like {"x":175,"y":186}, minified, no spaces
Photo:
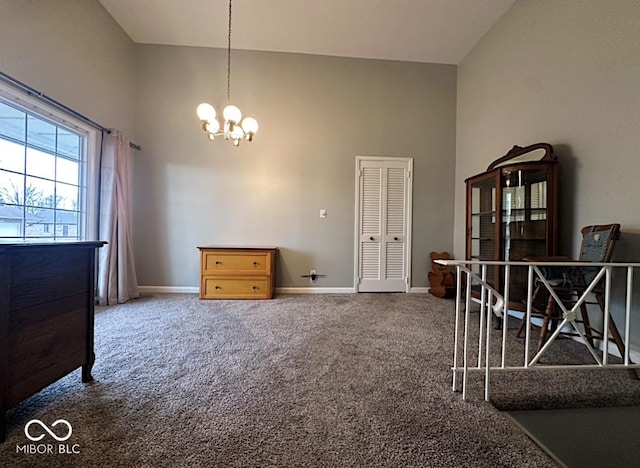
{"x":49,"y":431}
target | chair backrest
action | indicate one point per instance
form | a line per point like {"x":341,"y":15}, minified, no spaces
{"x":598,"y":242}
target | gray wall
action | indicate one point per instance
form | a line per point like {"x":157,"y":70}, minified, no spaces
{"x":316,"y":115}
{"x":568,"y":73}
{"x":74,"y":52}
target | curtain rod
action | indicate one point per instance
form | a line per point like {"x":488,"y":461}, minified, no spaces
{"x":52,"y":102}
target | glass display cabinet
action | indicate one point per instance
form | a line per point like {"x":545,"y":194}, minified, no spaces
{"x":512,"y":213}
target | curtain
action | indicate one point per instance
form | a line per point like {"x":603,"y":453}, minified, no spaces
{"x":117,"y":282}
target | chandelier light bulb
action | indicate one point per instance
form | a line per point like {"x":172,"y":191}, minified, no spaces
{"x":206,"y":112}
{"x":250,"y":125}
{"x":212,"y":126}
{"x":237,"y":133}
{"x":232,"y":114}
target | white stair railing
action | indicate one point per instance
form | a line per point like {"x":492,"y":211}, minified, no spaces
{"x":498,"y":303}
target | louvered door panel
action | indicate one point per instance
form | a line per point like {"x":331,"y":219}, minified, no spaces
{"x":394,"y":265}
{"x":371,"y":201}
{"x":395,"y":203}
{"x":371,"y":189}
{"x":370,"y":261}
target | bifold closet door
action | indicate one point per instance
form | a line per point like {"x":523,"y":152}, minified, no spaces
{"x":383,"y":224}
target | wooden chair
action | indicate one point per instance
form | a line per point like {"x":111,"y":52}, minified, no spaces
{"x":569,"y":283}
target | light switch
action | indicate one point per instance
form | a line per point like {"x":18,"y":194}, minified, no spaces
{"x":323,"y":214}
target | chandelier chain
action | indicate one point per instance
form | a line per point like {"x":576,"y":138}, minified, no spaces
{"x":229,"y":58}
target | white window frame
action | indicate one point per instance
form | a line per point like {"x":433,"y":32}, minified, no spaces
{"x":93,"y":141}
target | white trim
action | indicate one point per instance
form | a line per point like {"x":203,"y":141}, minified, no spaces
{"x":409,"y":223}
{"x":356,"y":236}
{"x":287,"y":290}
{"x":283,"y":290}
{"x":89,"y":162}
{"x":168,"y":289}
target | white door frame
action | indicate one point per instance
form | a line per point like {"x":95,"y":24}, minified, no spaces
{"x":408,"y":219}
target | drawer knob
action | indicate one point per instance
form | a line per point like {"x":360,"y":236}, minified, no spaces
{"x":370,"y":238}
{"x":255,"y":287}
{"x":218,"y":262}
{"x":395,"y":238}
{"x":218,"y":287}
{"x":255,"y":263}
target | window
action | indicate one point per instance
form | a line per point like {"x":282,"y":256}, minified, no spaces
{"x":47,"y":182}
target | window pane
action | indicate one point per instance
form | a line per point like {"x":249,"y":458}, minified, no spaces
{"x":39,"y":193}
{"x":67,"y":224}
{"x":67,"y":196}
{"x":67,"y":171}
{"x":11,"y":156}
{"x":38,"y":221}
{"x":41,"y":133}
{"x":10,"y":221}
{"x":41,"y":164}
{"x":68,"y":143}
{"x":11,"y":188}
{"x":12,"y":122}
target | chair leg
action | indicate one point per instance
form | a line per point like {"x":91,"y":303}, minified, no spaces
{"x":548,"y":315}
{"x":617,"y":338}
{"x":587,"y":326}
{"x":521,"y":327}
{"x":524,"y":318}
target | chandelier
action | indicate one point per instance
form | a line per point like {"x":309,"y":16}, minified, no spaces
{"x":234,"y":128}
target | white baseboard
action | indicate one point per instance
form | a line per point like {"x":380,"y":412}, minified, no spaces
{"x":315,"y":290}
{"x":168,"y":289}
{"x":285,"y":290}
{"x":196,"y":290}
{"x":335,"y":290}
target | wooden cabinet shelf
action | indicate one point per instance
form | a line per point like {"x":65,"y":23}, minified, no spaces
{"x":234,"y":272}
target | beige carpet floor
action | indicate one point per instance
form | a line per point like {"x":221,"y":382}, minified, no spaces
{"x":344,"y":380}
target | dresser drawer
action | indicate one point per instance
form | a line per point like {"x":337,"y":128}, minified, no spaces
{"x":235,"y":288}
{"x":235,"y":262}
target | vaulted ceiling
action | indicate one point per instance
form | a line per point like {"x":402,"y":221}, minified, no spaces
{"x":431,"y":31}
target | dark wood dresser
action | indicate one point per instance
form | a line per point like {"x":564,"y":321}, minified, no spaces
{"x":46,"y":316}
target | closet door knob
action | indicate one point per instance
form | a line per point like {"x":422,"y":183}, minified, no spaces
{"x":370,"y":238}
{"x":395,"y":238}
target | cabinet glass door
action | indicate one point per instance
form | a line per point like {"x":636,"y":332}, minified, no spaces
{"x":483,"y":234}
{"x":524,"y":221}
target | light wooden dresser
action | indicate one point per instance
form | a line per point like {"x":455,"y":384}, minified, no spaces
{"x":237,"y":272}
